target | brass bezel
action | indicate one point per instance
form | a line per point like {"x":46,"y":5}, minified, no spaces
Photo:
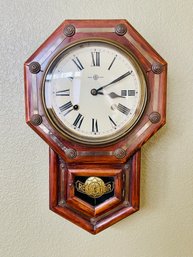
{"x":103,"y":140}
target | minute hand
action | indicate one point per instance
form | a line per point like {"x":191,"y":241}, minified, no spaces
{"x":116,"y":80}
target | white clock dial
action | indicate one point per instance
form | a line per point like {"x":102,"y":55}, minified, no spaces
{"x":94,"y":92}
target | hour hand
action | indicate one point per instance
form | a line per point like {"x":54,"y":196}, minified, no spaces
{"x":114,"y":95}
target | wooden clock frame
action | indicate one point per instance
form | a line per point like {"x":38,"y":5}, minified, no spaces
{"x":121,"y":159}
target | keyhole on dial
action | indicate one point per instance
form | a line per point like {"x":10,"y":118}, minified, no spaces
{"x":75,"y":107}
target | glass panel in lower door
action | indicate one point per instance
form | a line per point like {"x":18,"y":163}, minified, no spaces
{"x":94,"y":190}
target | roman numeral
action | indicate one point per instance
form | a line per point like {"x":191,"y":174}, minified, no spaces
{"x":123,"y":109}
{"x":112,"y":122}
{"x":65,"y":92}
{"x":94,"y":126}
{"x":95,"y":58}
{"x":78,"y":121}
{"x":112,"y":62}
{"x":128,"y":92}
{"x":78,"y":63}
{"x":66,"y":106}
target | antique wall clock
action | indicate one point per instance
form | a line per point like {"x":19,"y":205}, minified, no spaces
{"x":95,"y":91}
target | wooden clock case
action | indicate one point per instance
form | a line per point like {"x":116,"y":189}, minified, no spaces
{"x":119,"y":160}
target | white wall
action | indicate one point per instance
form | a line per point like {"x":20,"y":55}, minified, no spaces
{"x":164,"y":225}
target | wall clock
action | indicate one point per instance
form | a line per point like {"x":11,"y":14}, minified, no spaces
{"x":95,"y":91}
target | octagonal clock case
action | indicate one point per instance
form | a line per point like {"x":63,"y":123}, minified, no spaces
{"x":95,"y":92}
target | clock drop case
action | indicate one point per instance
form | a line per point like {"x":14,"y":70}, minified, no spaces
{"x":95,"y":92}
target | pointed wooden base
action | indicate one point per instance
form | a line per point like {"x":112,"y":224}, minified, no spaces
{"x":94,"y":219}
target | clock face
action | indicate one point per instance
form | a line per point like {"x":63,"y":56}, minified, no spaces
{"x":94,"y":92}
